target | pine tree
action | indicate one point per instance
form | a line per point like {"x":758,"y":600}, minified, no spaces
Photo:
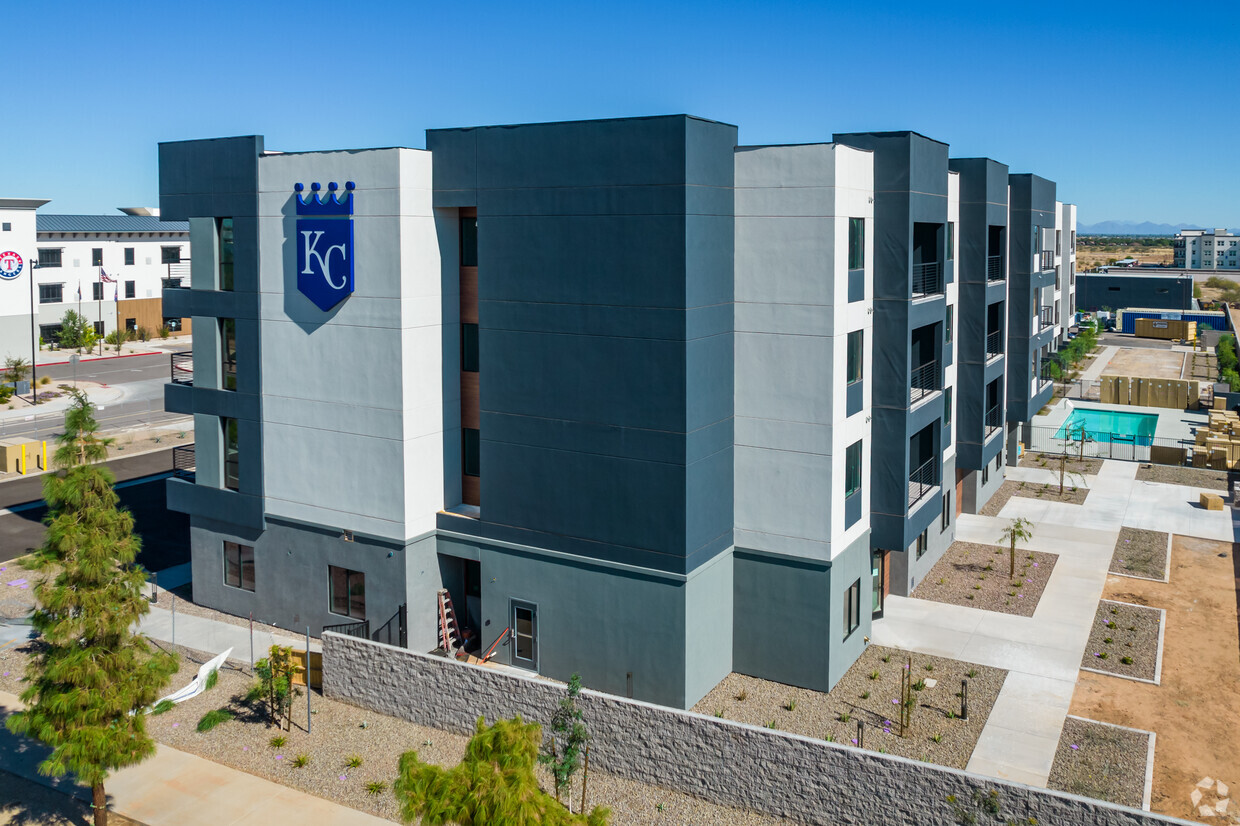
{"x":92,"y":670}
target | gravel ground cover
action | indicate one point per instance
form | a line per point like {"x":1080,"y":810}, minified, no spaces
{"x":1124,"y":640}
{"x":1194,"y":477}
{"x":1101,"y":761}
{"x":976,"y":576}
{"x":869,"y":693}
{"x":16,"y":601}
{"x":1140,"y":553}
{"x":1032,"y":490}
{"x":1087,"y":466}
{"x":340,"y":731}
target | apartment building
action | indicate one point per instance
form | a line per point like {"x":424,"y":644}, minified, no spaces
{"x":1065,"y":269}
{"x":109,"y":268}
{"x":1206,"y":249}
{"x":640,"y":399}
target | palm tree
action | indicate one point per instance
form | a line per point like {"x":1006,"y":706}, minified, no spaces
{"x":1021,"y":529}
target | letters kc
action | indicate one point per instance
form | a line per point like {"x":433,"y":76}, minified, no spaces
{"x":325,"y":246}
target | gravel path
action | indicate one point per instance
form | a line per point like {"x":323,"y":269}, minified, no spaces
{"x":1132,"y":631}
{"x":1194,"y":477}
{"x":1033,"y":490}
{"x":1100,"y":761}
{"x":975,"y":576}
{"x":1140,"y":553}
{"x":1088,"y":466}
{"x":875,"y":702}
{"x":338,"y":733}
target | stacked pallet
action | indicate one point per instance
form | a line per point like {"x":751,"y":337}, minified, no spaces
{"x":1175,"y":394}
{"x":1219,"y":446}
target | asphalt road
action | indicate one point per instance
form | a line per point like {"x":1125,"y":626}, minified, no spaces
{"x":114,"y":370}
{"x":141,"y":483}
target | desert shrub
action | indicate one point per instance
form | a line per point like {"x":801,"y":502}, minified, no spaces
{"x":213,"y":718}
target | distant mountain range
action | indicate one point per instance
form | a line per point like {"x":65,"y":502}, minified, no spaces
{"x":1133,"y":228}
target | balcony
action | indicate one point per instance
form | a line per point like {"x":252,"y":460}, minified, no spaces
{"x":920,"y":482}
{"x":1047,"y":260}
{"x":923,"y":381}
{"x":994,"y":344}
{"x":994,"y":419}
{"x":994,"y":268}
{"x":927,"y":279}
{"x":183,"y":368}
{"x":1046,"y":317}
{"x":183,"y":464}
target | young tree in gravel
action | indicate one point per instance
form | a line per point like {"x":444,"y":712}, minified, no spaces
{"x":16,"y":369}
{"x":275,"y":685}
{"x":1020,"y":530}
{"x":91,"y":670}
{"x":568,"y":740}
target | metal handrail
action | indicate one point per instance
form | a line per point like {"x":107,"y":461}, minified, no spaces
{"x":927,"y":279}
{"x":1048,"y":260}
{"x":1046,"y":316}
{"x":183,"y":461}
{"x":360,"y":630}
{"x":994,"y":343}
{"x":183,"y":367}
{"x":994,"y":268}
{"x":920,"y":481}
{"x":994,"y":419}
{"x":923,"y":381}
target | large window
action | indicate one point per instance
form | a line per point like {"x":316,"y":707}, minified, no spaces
{"x":923,"y":543}
{"x":852,"y":469}
{"x":227,"y":253}
{"x":856,"y":355}
{"x":170,"y":255}
{"x":469,"y":348}
{"x":239,"y":566}
{"x":856,"y":243}
{"x":469,"y":242}
{"x":128,"y":256}
{"x":96,"y":291}
{"x":232,"y":455}
{"x":470,"y":440}
{"x":852,"y":609}
{"x":131,"y":289}
{"x":96,"y":257}
{"x":49,"y":258}
{"x":348,"y":592}
{"x":228,"y":353}
{"x":51,"y":293}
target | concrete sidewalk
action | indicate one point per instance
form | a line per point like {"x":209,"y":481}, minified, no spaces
{"x":180,"y":789}
{"x":214,"y":636}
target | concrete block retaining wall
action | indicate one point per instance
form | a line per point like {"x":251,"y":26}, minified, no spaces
{"x":774,"y":772}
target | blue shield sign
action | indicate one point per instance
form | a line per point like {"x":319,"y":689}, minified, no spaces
{"x":325,"y":245}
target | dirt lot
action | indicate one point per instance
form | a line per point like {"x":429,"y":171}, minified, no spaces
{"x":1146,"y":363}
{"x":1194,"y":711}
{"x":1088,"y":256}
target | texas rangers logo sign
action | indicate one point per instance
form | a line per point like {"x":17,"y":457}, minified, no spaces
{"x":325,"y":245}
{"x":10,"y":265}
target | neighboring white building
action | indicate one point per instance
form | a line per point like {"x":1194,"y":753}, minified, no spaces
{"x":1065,"y":269}
{"x":110,"y":268}
{"x":1207,"y":249}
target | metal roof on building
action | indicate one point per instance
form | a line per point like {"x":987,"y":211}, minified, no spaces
{"x":106,"y":223}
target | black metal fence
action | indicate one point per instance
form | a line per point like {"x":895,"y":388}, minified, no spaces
{"x":183,"y":462}
{"x":923,"y":381}
{"x":182,"y":368}
{"x":994,"y":268}
{"x":1154,"y":449}
{"x":361,"y":630}
{"x":395,"y":631}
{"x":927,"y":279}
{"x":920,"y":481}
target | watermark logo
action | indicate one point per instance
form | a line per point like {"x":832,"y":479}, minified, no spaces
{"x":325,"y":245}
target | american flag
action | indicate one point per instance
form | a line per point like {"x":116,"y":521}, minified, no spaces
{"x":103,"y":276}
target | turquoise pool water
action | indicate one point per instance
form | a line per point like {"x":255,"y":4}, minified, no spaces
{"x":1110,"y":425}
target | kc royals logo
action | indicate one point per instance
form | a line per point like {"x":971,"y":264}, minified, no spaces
{"x":10,"y":265}
{"x":325,"y":245}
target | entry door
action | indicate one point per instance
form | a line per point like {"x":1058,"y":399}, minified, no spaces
{"x":878,"y":562}
{"x":525,"y":635}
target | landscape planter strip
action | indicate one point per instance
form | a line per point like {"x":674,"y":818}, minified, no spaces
{"x":1141,"y":645}
{"x":1142,"y":554}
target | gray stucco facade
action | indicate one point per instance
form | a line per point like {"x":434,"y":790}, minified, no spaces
{"x":1031,"y":274}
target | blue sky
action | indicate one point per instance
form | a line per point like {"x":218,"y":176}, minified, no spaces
{"x":1111,"y":100}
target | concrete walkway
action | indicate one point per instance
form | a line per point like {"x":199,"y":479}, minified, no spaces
{"x":180,"y":789}
{"x":214,"y":636}
{"x":1043,"y":653}
{"x":1095,"y":370}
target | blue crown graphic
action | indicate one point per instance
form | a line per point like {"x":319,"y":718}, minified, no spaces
{"x":331,"y":204}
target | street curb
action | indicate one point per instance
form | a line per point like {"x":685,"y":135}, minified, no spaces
{"x":100,"y":358}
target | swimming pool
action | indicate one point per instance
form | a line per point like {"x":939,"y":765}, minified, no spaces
{"x":1109,"y":425}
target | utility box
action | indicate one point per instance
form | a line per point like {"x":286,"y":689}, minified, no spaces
{"x":11,"y":456}
{"x":1166,"y":328}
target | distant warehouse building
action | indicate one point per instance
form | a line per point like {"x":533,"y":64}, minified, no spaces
{"x":1115,"y":291}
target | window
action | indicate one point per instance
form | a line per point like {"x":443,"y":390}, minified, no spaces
{"x":949,"y":327}
{"x":173,"y":324}
{"x":852,"y":469}
{"x":469,"y":242}
{"x":128,"y":256}
{"x":232,"y":455}
{"x":985,"y":473}
{"x":470,"y":444}
{"x":228,"y":353}
{"x":6,"y":227}
{"x":856,"y":243}
{"x":923,"y":543}
{"x":170,"y":255}
{"x":96,"y":257}
{"x":525,"y":635}
{"x":852,"y":609}
{"x":348,"y":592}
{"x":131,"y":289}
{"x":239,"y":566}
{"x":998,"y":461}
{"x":947,"y":406}
{"x":227,"y":253}
{"x":951,"y":240}
{"x":51,"y":293}
{"x":946,"y":521}
{"x":856,"y":355}
{"x":469,"y":348}
{"x":131,"y":325}
{"x":98,"y":326}
{"x":49,"y":258}
{"x":96,"y":291}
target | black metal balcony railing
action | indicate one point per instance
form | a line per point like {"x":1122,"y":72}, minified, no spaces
{"x":1048,"y":260}
{"x":183,"y":462}
{"x":994,"y":268}
{"x":1046,"y":317}
{"x":923,"y":381}
{"x":994,"y":343}
{"x":183,"y":368}
{"x":920,"y":482}
{"x":994,"y":419}
{"x":927,"y":279}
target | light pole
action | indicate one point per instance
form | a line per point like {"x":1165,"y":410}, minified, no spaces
{"x":34,"y":349}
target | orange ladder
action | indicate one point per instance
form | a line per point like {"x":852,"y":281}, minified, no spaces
{"x":449,"y":629}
